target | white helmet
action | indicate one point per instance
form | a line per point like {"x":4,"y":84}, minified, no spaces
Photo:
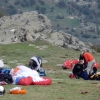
{"x":2,"y":90}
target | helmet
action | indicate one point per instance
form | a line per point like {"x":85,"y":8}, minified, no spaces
{"x":2,"y":90}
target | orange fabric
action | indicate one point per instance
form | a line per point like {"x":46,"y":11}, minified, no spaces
{"x":23,"y":91}
{"x":16,"y":69}
{"x":14,"y":92}
{"x":88,"y":57}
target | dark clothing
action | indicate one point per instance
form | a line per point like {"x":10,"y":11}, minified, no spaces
{"x":1,"y":70}
{"x":82,"y":58}
{"x":32,"y":64}
{"x":5,"y":76}
{"x":78,"y":69}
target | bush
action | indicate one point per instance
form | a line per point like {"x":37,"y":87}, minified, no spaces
{"x":11,"y":10}
{"x":86,"y":36}
{"x":1,"y":13}
{"x":61,"y":4}
{"x":59,"y":17}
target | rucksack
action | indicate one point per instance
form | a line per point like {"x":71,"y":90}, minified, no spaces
{"x":42,"y":71}
{"x":5,"y":76}
{"x":85,"y":76}
{"x":95,"y":76}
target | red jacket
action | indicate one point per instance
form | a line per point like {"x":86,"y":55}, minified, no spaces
{"x":88,"y":57}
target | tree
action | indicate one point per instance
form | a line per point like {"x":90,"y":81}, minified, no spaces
{"x":85,"y":10}
{"x":11,"y":10}
{"x":41,"y":2}
{"x":17,"y":2}
{"x":60,"y":17}
{"x":32,"y":2}
{"x":52,"y":8}
{"x":6,"y":1}
{"x":94,"y":37}
{"x":77,"y":0}
{"x":99,"y":6}
{"x":86,"y":36}
{"x":58,"y":25}
{"x":2,"y":13}
{"x":61,"y":4}
{"x":43,"y":10}
{"x":37,"y":7}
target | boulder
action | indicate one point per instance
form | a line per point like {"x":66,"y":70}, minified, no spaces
{"x":30,"y":26}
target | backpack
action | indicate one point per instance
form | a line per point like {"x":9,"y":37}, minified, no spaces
{"x":78,"y":72}
{"x":95,"y":76}
{"x":42,"y":71}
{"x":5,"y":76}
{"x":85,"y":76}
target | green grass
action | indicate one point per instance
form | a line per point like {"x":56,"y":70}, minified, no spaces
{"x":62,"y":87}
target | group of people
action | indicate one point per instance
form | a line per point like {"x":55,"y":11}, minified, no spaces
{"x":85,"y":65}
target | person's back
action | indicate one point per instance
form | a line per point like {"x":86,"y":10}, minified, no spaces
{"x":77,"y":69}
{"x":35,"y":63}
{"x":88,"y":56}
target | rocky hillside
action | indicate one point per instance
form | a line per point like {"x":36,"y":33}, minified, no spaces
{"x":80,"y":18}
{"x":30,"y":26}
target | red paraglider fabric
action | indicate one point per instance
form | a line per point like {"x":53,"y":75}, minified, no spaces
{"x":45,"y":81}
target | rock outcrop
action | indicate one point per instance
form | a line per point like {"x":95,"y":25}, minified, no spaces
{"x":31,"y":26}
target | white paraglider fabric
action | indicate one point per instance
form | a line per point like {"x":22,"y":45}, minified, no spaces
{"x":23,"y":71}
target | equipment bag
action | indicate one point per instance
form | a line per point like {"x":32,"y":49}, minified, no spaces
{"x":85,"y":76}
{"x":42,"y":71}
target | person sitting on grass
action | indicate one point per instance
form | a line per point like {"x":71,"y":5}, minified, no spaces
{"x":35,"y":63}
{"x":78,"y":69}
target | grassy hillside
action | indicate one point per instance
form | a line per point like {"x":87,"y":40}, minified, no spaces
{"x":24,"y":51}
{"x":62,"y":87}
{"x":80,"y":18}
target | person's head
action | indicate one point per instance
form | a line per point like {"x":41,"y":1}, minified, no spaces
{"x":32,"y":63}
{"x":81,"y":54}
{"x":81,"y":61}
